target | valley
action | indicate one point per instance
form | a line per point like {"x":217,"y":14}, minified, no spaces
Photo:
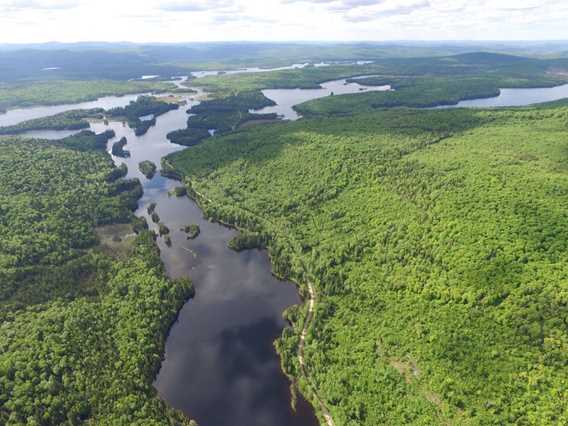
{"x":349,"y":244}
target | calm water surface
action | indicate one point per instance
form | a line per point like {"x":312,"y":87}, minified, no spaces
{"x":220,"y":364}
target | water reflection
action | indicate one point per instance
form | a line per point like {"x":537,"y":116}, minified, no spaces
{"x":220,"y":366}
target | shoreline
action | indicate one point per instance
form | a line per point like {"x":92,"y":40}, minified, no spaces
{"x":307,"y":306}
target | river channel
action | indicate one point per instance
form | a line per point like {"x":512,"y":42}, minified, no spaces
{"x":220,"y":365}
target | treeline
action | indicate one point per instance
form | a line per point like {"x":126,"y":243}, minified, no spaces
{"x":512,"y":71}
{"x":248,"y":240}
{"x":69,"y":120}
{"x":58,"y":92}
{"x":436,"y":241}
{"x":81,"y":333}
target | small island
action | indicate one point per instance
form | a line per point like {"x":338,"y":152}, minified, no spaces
{"x":192,"y":231}
{"x":179,"y":191}
{"x":118,"y":149}
{"x":151,"y":208}
{"x":147,"y":168}
{"x":163,"y":229}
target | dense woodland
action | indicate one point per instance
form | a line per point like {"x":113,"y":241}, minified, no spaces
{"x":69,"y":91}
{"x":227,"y":114}
{"x":436,"y":241}
{"x":409,"y":92}
{"x":503,"y":70}
{"x":82,"y":328}
{"x":188,"y":136}
{"x":68,"y":120}
{"x":437,"y":244}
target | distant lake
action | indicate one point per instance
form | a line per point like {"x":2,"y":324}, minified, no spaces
{"x":517,"y":97}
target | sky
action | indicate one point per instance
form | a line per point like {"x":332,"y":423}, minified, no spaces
{"x":33,"y":21}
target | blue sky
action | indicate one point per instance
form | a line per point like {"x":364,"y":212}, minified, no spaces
{"x":275,"y":20}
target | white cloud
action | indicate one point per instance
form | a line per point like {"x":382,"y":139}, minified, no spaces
{"x":270,"y":20}
{"x":196,"y":5}
{"x":12,"y":5}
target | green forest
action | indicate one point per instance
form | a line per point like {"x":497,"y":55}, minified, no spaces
{"x":437,"y":243}
{"x":228,"y":113}
{"x":85,"y":303}
{"x":420,"y":92}
{"x":499,"y":70}
{"x":14,"y":95}
{"x":68,"y":120}
{"x":148,"y":168}
{"x":436,"y":240}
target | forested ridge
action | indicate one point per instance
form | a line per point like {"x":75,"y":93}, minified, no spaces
{"x":436,"y":241}
{"x":412,"y":92}
{"x":68,"y":120}
{"x":29,"y":94}
{"x":82,"y":326}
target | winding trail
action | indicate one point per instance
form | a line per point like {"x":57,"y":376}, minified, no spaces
{"x":312,"y":300}
{"x":307,"y":323}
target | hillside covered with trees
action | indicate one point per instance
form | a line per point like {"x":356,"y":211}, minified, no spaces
{"x":437,"y":244}
{"x":82,"y":321}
